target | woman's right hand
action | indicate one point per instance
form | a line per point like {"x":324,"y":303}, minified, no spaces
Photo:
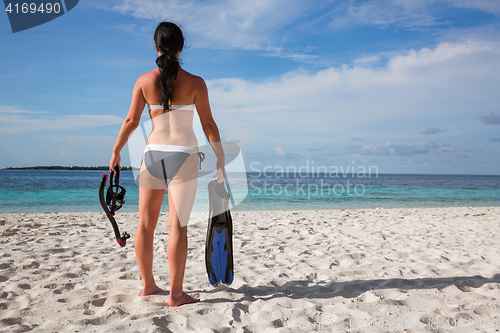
{"x":221,"y":171}
{"x":115,"y":160}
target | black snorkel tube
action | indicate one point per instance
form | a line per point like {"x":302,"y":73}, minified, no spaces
{"x":115,"y":198}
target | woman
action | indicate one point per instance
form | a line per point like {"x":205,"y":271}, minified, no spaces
{"x":171,"y":156}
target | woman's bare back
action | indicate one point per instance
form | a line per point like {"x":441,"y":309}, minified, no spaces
{"x":173,"y":127}
{"x":186,"y":86}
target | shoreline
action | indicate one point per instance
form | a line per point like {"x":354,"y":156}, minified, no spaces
{"x":66,"y":168}
{"x":260,"y":210}
{"x":64,"y":272}
{"x":259,"y":172}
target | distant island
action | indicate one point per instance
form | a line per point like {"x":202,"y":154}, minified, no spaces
{"x":58,"y":167}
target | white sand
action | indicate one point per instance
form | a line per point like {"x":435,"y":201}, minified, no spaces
{"x":63,"y":272}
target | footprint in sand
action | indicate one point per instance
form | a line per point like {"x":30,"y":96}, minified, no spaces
{"x":9,"y":232}
{"x":160,"y":322}
{"x":121,"y":298}
{"x":278,"y":323}
{"x":130,"y":276}
{"x":203,"y":311}
{"x":98,"y":302}
{"x":55,"y":250}
{"x":6,"y":265}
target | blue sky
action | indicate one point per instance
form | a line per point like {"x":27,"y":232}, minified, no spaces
{"x":407,"y":86}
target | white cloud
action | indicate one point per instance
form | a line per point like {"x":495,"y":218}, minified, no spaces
{"x":67,"y":153}
{"x":267,"y":25}
{"x":280,"y":152}
{"x":448,"y":82}
{"x":409,"y":14}
{"x":17,"y":110}
{"x":491,"y":6}
{"x":86,"y":140}
{"x":381,"y":12}
{"x":227,"y":23}
{"x":491,"y":119}
{"x":315,"y":148}
{"x":403,"y":149}
{"x":431,"y":130}
{"x":15,"y":121}
{"x":305,"y":56}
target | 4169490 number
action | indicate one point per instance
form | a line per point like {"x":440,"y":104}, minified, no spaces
{"x":32,"y":8}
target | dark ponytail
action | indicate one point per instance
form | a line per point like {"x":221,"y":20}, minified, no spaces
{"x":169,"y":41}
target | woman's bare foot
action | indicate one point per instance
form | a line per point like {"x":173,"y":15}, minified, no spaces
{"x":151,"y":291}
{"x":183,"y":299}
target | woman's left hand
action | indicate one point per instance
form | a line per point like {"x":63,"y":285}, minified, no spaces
{"x":115,"y":160}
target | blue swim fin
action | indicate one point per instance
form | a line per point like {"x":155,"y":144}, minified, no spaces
{"x":219,"y":244}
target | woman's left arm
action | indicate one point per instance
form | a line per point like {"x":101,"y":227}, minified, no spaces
{"x":129,"y":124}
{"x":210,"y":127}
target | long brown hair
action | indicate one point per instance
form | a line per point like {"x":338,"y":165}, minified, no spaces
{"x":169,"y":41}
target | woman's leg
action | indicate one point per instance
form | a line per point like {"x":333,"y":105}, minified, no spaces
{"x":181,"y":195}
{"x":149,"y":210}
{"x":176,"y":248}
{"x":177,"y":254}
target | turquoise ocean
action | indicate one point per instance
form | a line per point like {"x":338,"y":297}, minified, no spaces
{"x":24,"y":191}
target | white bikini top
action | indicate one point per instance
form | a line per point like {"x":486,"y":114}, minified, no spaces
{"x":172,"y":107}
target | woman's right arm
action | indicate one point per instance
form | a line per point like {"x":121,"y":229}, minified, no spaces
{"x":129,"y":124}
